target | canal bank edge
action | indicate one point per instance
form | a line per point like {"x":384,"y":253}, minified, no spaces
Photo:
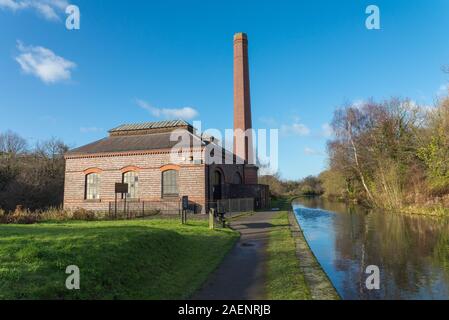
{"x":320,"y":286}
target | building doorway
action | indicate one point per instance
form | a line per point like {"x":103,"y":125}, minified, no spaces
{"x":217,"y":185}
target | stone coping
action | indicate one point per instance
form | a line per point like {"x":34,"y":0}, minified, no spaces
{"x":320,"y":286}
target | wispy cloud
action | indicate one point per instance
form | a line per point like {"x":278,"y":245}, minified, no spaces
{"x":49,"y":9}
{"x":185,"y":113}
{"x":44,"y":63}
{"x":414,"y":106}
{"x":269,"y":121}
{"x":295,"y":129}
{"x":312,"y":152}
{"x":326,"y":130}
{"x":443,"y":90}
{"x":90,"y":129}
{"x":12,"y":5}
{"x":358,"y":104}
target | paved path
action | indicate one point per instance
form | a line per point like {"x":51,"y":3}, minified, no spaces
{"x":242,"y":274}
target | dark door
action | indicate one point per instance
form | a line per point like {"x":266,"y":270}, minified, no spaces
{"x":217,"y":185}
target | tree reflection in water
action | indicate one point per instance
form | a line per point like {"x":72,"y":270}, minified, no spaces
{"x":412,"y":252}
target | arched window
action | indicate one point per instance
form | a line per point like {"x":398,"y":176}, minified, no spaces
{"x":170,"y":183}
{"x":92,"y":189}
{"x":237,"y":178}
{"x":132,"y":179}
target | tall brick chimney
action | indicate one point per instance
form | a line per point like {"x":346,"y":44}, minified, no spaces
{"x":242,"y":99}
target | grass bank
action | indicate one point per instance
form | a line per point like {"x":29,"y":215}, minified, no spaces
{"x":139,"y":259}
{"x":285,"y":279}
{"x":436,"y":211}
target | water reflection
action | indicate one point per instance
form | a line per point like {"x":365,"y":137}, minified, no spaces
{"x":412,"y":252}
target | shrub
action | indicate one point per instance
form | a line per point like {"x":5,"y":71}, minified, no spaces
{"x":25,"y":216}
{"x":55,"y":214}
{"x":2,"y":216}
{"x":83,"y":214}
{"x":21,"y":216}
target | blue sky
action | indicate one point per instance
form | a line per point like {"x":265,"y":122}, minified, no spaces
{"x":306,"y":59}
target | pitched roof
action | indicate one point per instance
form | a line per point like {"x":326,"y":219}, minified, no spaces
{"x":151,"y":125}
{"x":145,"y":137}
{"x":125,"y":143}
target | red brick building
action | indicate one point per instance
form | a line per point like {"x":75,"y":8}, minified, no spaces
{"x":143,"y":156}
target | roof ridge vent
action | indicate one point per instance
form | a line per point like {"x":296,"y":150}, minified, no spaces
{"x":150,"y":127}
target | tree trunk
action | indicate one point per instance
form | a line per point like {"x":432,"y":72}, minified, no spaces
{"x":356,"y":158}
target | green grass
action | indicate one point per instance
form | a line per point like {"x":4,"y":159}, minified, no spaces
{"x":139,"y":259}
{"x":285,"y":279}
{"x":437,"y":210}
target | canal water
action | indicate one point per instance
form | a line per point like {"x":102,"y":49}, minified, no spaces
{"x":412,"y":252}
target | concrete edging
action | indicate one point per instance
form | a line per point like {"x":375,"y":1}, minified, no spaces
{"x":320,"y":286}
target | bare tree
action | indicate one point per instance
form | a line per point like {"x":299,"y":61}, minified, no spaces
{"x":12,"y":143}
{"x":51,"y":149}
{"x":33,"y":178}
{"x":376,"y":146}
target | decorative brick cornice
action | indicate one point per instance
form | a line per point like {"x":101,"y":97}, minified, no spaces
{"x":181,"y":166}
{"x":122,"y":154}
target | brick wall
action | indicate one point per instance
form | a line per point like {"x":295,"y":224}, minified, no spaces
{"x":191,"y":179}
{"x":251,"y":175}
{"x":194,"y":180}
{"x":228,"y":172}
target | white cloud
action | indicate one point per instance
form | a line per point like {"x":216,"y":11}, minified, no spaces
{"x":90,"y":129}
{"x":46,"y":10}
{"x":49,"y":9}
{"x":296,"y":129}
{"x":312,"y":152}
{"x":186,"y":113}
{"x":11,"y":5}
{"x":269,"y":121}
{"x":358,"y":104}
{"x":443,"y":90}
{"x":414,"y":106}
{"x":327,"y":130}
{"x":44,"y":63}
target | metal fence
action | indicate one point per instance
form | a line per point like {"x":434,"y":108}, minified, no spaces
{"x":141,"y":209}
{"x":230,"y":206}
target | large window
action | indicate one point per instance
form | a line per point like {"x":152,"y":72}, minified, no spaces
{"x":92,"y":191}
{"x":132,"y":179}
{"x":170,"y":183}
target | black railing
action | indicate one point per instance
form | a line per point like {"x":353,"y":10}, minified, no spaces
{"x":132,"y":209}
{"x":141,"y":209}
{"x":231,"y":206}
